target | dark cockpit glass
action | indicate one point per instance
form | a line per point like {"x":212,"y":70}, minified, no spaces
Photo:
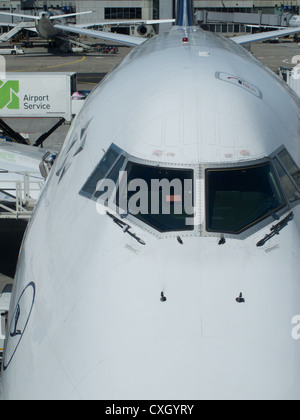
{"x":290,"y":166}
{"x":160,"y":197}
{"x":289,"y":187}
{"x":237,"y":198}
{"x":108,"y":168}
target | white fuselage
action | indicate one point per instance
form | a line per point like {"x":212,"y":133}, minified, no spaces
{"x":86,"y":318}
{"x":45,"y":26}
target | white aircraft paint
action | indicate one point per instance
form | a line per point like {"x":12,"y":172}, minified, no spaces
{"x":87,"y":318}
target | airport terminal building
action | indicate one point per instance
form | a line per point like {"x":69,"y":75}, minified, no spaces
{"x":149,"y":7}
{"x":218,"y":16}
{"x":146,"y":5}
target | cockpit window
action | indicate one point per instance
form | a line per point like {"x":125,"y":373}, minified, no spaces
{"x":290,"y":166}
{"x":108,"y":168}
{"x":237,"y":198}
{"x":289,"y":187}
{"x":160,"y":197}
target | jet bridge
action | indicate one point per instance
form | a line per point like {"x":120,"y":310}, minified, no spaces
{"x":236,"y":19}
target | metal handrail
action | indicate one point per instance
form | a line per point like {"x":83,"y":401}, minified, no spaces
{"x":23,"y":194}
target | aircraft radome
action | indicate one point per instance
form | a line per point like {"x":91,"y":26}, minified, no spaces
{"x":196,"y":299}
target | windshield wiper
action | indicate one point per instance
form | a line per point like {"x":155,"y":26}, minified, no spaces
{"x":125,"y":227}
{"x":275,"y":229}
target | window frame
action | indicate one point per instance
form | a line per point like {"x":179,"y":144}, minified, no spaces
{"x":122,"y":13}
{"x":256,"y":225}
{"x":200,"y":195}
{"x":146,"y":227}
{"x":276,"y":155}
{"x":155,"y":165}
{"x":121,"y":153}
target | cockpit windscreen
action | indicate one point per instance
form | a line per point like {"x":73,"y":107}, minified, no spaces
{"x":160,"y":197}
{"x":236,"y":198}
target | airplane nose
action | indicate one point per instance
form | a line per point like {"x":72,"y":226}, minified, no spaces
{"x":194,"y":368}
{"x":202,"y":325}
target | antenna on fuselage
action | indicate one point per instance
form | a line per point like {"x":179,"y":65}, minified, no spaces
{"x":185,"y":13}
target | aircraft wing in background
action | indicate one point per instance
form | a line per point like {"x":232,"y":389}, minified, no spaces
{"x":125,"y":22}
{"x":135,"y":41}
{"x":24,"y":16}
{"x":120,"y":38}
{"x":34,"y":17}
{"x":248,"y":39}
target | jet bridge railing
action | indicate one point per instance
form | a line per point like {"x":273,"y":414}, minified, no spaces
{"x":8,"y":35}
{"x":18,"y":196}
